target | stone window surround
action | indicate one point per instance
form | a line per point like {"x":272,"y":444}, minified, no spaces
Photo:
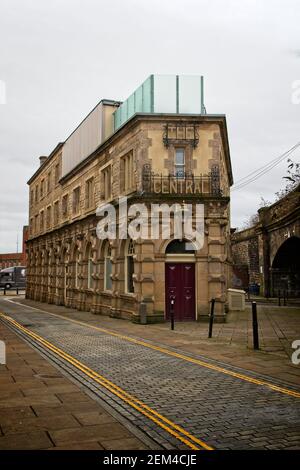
{"x":48,"y":216}
{"x":90,"y":269}
{"x":56,"y":212}
{"x":49,"y":186}
{"x":76,"y":194}
{"x":107,"y":259}
{"x":42,"y":188}
{"x":36,"y":193}
{"x":127,"y":163}
{"x":42,"y":221}
{"x":56,"y":173}
{"x":190,"y":163}
{"x":89,"y":186}
{"x":64,"y":205}
{"x":106,"y":193}
{"x":36,"y":223}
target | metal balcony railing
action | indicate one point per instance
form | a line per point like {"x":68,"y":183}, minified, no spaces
{"x":181,"y":183}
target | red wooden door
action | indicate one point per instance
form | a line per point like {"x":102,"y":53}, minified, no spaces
{"x":180,"y":285}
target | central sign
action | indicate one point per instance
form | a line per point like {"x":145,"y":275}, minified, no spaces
{"x":180,"y":186}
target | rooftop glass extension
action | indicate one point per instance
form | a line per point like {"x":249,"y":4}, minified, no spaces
{"x":178,"y":94}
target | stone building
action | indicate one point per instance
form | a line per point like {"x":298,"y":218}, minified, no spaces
{"x":159,"y":146}
{"x":271,"y":248}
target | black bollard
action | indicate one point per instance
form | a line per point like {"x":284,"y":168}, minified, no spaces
{"x":255,"y":326}
{"x":211,"y":317}
{"x":279,"y":303}
{"x":172,"y":313}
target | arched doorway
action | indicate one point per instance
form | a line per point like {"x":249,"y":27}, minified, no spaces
{"x":180,"y":280}
{"x":286,"y":268}
{"x":129,"y":266}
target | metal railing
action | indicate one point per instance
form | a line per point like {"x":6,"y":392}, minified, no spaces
{"x":14,"y":289}
{"x":181,"y":183}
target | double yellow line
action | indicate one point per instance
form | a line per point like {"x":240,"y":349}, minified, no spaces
{"x":177,"y":431}
{"x":199,"y":362}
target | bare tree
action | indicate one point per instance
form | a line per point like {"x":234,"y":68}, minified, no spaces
{"x":293,"y":179}
{"x":254,"y":218}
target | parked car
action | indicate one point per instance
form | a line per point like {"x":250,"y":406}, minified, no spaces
{"x":13,"y":277}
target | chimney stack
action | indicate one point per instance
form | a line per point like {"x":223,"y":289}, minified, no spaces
{"x":42,"y":159}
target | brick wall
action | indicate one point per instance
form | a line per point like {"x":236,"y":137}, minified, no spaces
{"x":15,"y":259}
{"x":10,"y":259}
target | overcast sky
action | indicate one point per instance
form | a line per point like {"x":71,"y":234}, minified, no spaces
{"x":58,"y":58}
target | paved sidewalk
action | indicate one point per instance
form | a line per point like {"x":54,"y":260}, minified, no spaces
{"x":231,"y":342}
{"x":41,"y":409}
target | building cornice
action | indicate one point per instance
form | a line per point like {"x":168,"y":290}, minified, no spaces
{"x":46,"y":162}
{"x":158,"y":117}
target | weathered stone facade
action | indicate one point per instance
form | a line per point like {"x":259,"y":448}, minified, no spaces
{"x":245,"y":253}
{"x":260,"y":246}
{"x":67,"y":261}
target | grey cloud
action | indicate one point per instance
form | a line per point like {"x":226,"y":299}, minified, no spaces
{"x":296,"y":52}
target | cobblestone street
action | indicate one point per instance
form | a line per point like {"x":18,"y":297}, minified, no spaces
{"x":232,"y":342}
{"x":216,"y":404}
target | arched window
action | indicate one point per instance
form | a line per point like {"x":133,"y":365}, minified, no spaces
{"x":90,"y":270}
{"x":107,"y":268}
{"x":76,"y":268}
{"x":129,"y":268}
{"x":180,"y":247}
{"x":49,"y":266}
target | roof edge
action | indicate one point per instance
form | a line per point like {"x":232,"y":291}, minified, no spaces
{"x":40,"y":168}
{"x":139,"y":117}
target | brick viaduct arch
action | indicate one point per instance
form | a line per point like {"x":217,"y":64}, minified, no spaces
{"x":258,"y":246}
